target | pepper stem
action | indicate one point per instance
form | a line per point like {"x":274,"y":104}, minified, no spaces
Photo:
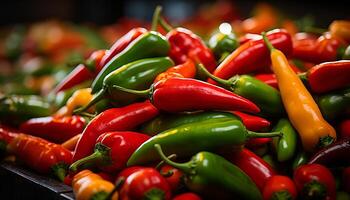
{"x":102,"y":195}
{"x":166,"y":26}
{"x":98,"y":97}
{"x":314,"y":190}
{"x":154,"y":194}
{"x":155,"y":18}
{"x":267,"y":42}
{"x":252,"y":134}
{"x":325,"y":141}
{"x":142,"y":93}
{"x":281,"y":195}
{"x":185,"y":167}
{"x":60,"y":170}
{"x":221,"y":81}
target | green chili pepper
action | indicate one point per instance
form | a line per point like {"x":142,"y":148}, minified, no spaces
{"x":137,"y":75}
{"x":223,"y":44}
{"x":300,"y":159}
{"x":168,"y":121}
{"x":285,"y":146}
{"x":266,"y":97}
{"x":17,"y":108}
{"x":191,"y":138}
{"x":213,"y":176}
{"x":336,"y":104}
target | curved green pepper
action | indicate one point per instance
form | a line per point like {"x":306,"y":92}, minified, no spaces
{"x":266,"y":97}
{"x":223,"y":44}
{"x":334,"y":105}
{"x":191,"y":138}
{"x":165,"y":122}
{"x":148,"y":45}
{"x":285,"y":146}
{"x":213,"y":176}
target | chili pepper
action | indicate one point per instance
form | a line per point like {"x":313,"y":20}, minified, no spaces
{"x":248,"y":37}
{"x":168,"y":121}
{"x":184,"y":44}
{"x":71,"y":142}
{"x":336,"y":154}
{"x":269,"y":79}
{"x":335,"y":105}
{"x":112,"y":150}
{"x":266,"y":97}
{"x":187,"y":196}
{"x":184,"y":94}
{"x":146,"y":183}
{"x":115,"y":119}
{"x":285,"y":146}
{"x":184,"y":140}
{"x":173,"y":176}
{"x":344,"y":129}
{"x":346,"y":179}
{"x":256,"y":168}
{"x":346,"y":55}
{"x":90,"y":186}
{"x":314,"y":131}
{"x":279,"y":187}
{"x":340,"y":28}
{"x":148,"y":45}
{"x":300,"y":159}
{"x":41,"y":155}
{"x":54,"y":129}
{"x":213,"y":176}
{"x":125,"y":173}
{"x":18,"y":108}
{"x":223,"y":44}
{"x":185,"y":70}
{"x":135,"y":75}
{"x":252,"y":55}
{"x":314,"y":181}
{"x":7,"y":134}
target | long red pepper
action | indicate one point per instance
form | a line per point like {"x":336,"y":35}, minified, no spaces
{"x":254,"y":166}
{"x":114,"y":119}
{"x":185,"y":94}
{"x":253,"y":55}
{"x":55,"y":129}
{"x":112,"y":150}
{"x":329,"y":76}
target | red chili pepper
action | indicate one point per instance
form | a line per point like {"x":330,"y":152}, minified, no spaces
{"x":253,"y":55}
{"x":185,"y":94}
{"x":316,"y":50}
{"x":184,"y":70}
{"x":279,"y":187}
{"x":54,"y":129}
{"x":173,"y":176}
{"x":269,"y":79}
{"x":114,"y":119}
{"x":7,"y":134}
{"x":121,"y":44}
{"x":346,"y":179}
{"x":126,"y":172}
{"x":248,"y":37}
{"x":41,"y":155}
{"x":329,"y":76}
{"x":112,"y":151}
{"x":314,"y":181}
{"x":254,"y":166}
{"x":146,"y":183}
{"x":344,"y":129}
{"x":187,"y":196}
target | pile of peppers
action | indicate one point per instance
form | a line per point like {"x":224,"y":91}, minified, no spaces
{"x":162,"y":115}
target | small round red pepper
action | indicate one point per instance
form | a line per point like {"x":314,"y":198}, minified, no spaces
{"x":279,"y":188}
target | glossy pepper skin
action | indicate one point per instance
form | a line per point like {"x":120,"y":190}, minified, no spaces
{"x":114,"y":119}
{"x":183,"y":140}
{"x":223,"y":44}
{"x":255,"y":167}
{"x":146,"y":183}
{"x":266,"y":97}
{"x":329,"y":76}
{"x":336,"y":154}
{"x":187,"y":196}
{"x":252,"y":55}
{"x":314,"y":181}
{"x":90,"y":186}
{"x":269,"y":79}
{"x":344,"y":129}
{"x":41,"y":155}
{"x":167,"y":121}
{"x":213,"y":176}
{"x":7,"y":134}
{"x":184,"y":70}
{"x":335,"y":105}
{"x":279,"y":187}
{"x":285,"y":146}
{"x":54,"y":129}
{"x":112,"y":151}
{"x":173,"y":176}
{"x":313,"y":129}
{"x":184,"y":94}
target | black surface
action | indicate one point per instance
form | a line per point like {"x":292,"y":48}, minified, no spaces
{"x":19,"y":183}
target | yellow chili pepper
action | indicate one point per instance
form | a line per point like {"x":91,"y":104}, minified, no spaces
{"x":301,"y":108}
{"x":80,"y":97}
{"x":88,"y":185}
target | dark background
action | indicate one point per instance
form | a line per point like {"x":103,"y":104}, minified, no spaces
{"x":102,"y":12}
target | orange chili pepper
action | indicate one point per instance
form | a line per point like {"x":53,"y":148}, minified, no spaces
{"x":184,"y":70}
{"x":80,"y":97}
{"x":71,"y":143}
{"x":340,"y":28}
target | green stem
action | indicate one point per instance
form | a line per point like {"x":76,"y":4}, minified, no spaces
{"x":60,"y":171}
{"x":97,"y":157}
{"x":98,"y":97}
{"x":325,"y":141}
{"x":155,"y":18}
{"x":86,"y":114}
{"x":314,"y":190}
{"x":165,"y":25}
{"x":281,"y":195}
{"x":161,"y":163}
{"x":154,"y":194}
{"x":185,"y":167}
{"x":142,"y":93}
{"x":102,"y":195}
{"x":223,"y":56}
{"x":267,"y":42}
{"x":221,"y":81}
{"x":252,"y":134}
